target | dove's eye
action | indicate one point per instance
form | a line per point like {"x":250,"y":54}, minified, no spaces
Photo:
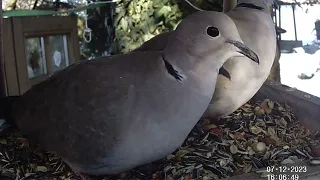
{"x":213,"y":31}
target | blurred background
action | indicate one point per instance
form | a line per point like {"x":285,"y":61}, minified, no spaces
{"x":124,"y":25}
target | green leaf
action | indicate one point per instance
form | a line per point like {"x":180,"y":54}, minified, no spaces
{"x":157,"y":3}
{"x":136,"y":17}
{"x":164,"y":11}
{"x":124,"y":24}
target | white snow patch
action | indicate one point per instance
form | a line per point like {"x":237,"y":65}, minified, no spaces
{"x":293,"y":64}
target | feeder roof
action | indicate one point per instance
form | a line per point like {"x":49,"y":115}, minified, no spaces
{"x":24,"y":13}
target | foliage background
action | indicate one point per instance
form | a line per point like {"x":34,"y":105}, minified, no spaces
{"x":123,"y":26}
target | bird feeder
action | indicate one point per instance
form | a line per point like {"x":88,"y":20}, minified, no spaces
{"x":35,"y":48}
{"x":286,"y":44}
{"x":317,"y":27}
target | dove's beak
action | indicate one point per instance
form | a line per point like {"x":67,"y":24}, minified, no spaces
{"x":243,"y":49}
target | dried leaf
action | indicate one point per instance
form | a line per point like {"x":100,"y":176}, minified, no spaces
{"x":265,"y":174}
{"x":247,"y":168}
{"x":188,"y":177}
{"x":267,"y":106}
{"x":170,"y":156}
{"x":269,"y":141}
{"x":28,"y":174}
{"x":231,"y":135}
{"x":258,"y":111}
{"x":247,"y":109}
{"x":283,"y":123}
{"x":286,"y":147}
{"x":41,"y":169}
{"x":272,"y":132}
{"x":216,"y":131}
{"x":287,"y":161}
{"x":239,"y":136}
{"x":255,"y":130}
{"x":205,"y":121}
{"x":3,"y":141}
{"x":267,"y":155}
{"x":263,"y":170}
{"x":250,"y":151}
{"x":209,"y":126}
{"x":182,"y":153}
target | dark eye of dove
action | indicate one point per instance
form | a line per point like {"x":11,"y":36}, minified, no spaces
{"x":213,"y":31}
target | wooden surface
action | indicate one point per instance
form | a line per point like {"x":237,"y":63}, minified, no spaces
{"x":307,"y":109}
{"x":74,"y":39}
{"x":11,"y":77}
{"x":289,"y":45}
{"x":47,"y":25}
{"x":3,"y":87}
{"x":20,"y":54}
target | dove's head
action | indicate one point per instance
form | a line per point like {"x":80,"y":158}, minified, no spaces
{"x":256,"y":1}
{"x":265,"y":5}
{"x":208,"y":38}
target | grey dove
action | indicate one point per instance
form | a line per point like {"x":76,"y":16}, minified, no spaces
{"x":240,"y":78}
{"x":112,"y":114}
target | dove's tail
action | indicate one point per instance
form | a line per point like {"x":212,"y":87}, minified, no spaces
{"x":6,"y":108}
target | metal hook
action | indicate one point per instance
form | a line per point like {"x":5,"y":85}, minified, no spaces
{"x":87,"y":34}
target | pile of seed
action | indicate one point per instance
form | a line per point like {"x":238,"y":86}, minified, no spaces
{"x":255,"y":136}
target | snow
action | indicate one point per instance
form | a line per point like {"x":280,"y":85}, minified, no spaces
{"x":293,"y":64}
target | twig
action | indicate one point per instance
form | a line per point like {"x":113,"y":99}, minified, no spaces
{"x":195,"y":7}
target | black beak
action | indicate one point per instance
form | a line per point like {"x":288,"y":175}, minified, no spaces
{"x":244,"y":50}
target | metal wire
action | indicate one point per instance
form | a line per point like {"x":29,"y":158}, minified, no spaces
{"x":195,"y":7}
{"x":87,"y":32}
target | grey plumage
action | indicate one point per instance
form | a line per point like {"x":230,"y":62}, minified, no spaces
{"x":256,"y":29}
{"x":112,"y":114}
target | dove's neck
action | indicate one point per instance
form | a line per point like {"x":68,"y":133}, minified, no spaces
{"x":178,"y":55}
{"x":181,"y":62}
{"x":194,"y":64}
{"x":190,"y":57}
{"x":256,"y":4}
{"x":196,"y":70}
{"x":188,"y":54}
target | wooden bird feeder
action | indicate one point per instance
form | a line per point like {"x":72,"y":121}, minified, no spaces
{"x":286,"y":44}
{"x":35,"y":48}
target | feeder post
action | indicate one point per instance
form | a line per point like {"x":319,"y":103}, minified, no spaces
{"x":279,"y":20}
{"x":317,"y":27}
{"x":2,"y":80}
{"x":274,"y":14}
{"x":294,"y":21}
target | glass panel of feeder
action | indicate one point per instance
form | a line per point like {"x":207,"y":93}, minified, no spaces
{"x":36,"y":63}
{"x":287,"y":23}
{"x":59,"y":52}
